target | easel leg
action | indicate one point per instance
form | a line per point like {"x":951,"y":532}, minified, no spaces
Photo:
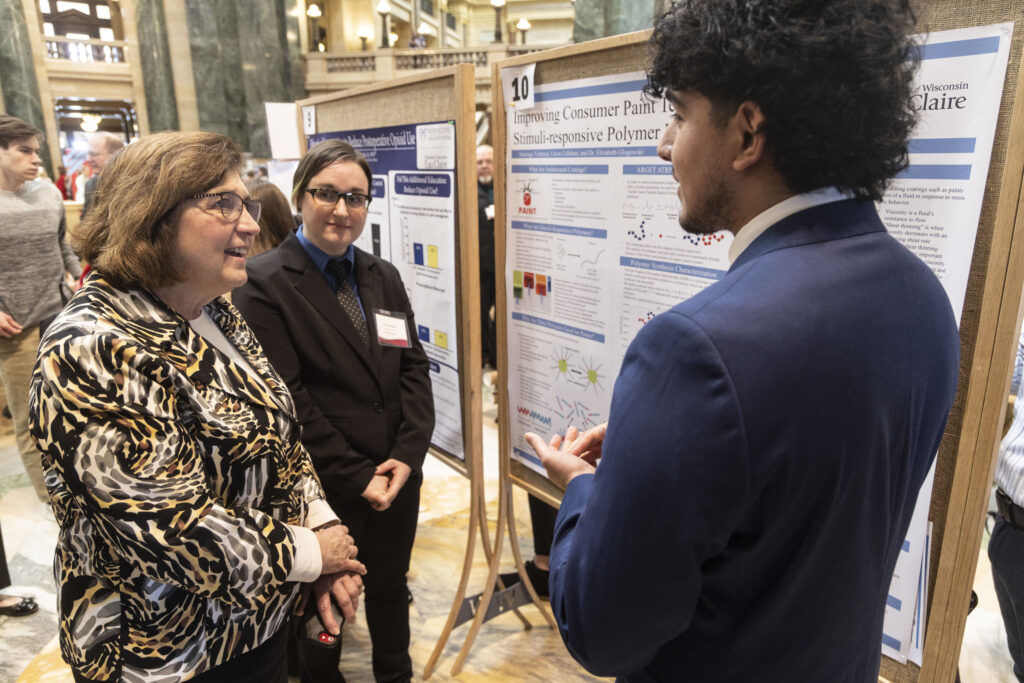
{"x":492,"y":577}
{"x":517,"y":554}
{"x":487,"y":551}
{"x":460,"y":593}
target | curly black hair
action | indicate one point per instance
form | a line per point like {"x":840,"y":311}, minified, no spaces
{"x":833,"y":80}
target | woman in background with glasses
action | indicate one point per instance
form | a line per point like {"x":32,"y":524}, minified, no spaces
{"x":337,"y":324}
{"x":189,"y":512}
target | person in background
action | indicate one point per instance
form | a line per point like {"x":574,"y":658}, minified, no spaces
{"x":485,"y":204}
{"x":1006,"y":546}
{"x":12,"y":605}
{"x":276,"y":218}
{"x":768,"y":436}
{"x":79,"y":179}
{"x":63,"y":182}
{"x":34,"y":258}
{"x":102,"y":146}
{"x":190,"y":514}
{"x":336,"y":322}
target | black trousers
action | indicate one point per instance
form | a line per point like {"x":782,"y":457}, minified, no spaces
{"x":1006,"y":552}
{"x":542,"y":519}
{"x":385,"y":542}
{"x":5,"y":576}
{"x":266,"y":663}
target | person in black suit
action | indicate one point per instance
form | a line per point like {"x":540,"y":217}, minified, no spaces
{"x":485,"y":204}
{"x":337,"y":324}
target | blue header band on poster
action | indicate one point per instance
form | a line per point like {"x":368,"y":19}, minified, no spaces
{"x":958,"y":48}
{"x":673,"y":268}
{"x":890,"y":641}
{"x":559,"y":327}
{"x":936,"y":172}
{"x":526,"y":456}
{"x":590,"y":90}
{"x":423,"y":184}
{"x":894,"y":602}
{"x":586,"y":169}
{"x":647,"y":169}
{"x":585,"y":152}
{"x":387,"y":148}
{"x":561,"y":229}
{"x":941,"y":145}
{"x":379,"y":187}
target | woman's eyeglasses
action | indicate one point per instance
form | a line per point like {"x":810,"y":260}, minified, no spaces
{"x":328,"y":198}
{"x":230,"y":205}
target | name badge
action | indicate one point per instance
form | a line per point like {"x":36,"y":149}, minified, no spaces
{"x":392,"y":328}
{"x":489,"y":212}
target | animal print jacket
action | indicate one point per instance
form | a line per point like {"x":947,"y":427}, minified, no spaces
{"x":173,"y":474}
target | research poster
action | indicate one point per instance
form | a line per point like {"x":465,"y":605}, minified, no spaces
{"x":411,"y":223}
{"x":595,"y":251}
{"x":933,"y":207}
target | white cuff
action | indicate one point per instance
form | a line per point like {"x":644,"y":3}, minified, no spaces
{"x":307,"y":563}
{"x":319,"y":513}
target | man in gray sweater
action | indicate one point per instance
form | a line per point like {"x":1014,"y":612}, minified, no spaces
{"x":33,"y":261}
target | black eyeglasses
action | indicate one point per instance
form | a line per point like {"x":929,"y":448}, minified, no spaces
{"x":230,"y":205}
{"x":328,"y":198}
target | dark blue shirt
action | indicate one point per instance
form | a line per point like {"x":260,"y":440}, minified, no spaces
{"x":320,"y":259}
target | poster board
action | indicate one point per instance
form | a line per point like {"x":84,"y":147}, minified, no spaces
{"x":425,"y":104}
{"x":991,"y":316}
{"x":405,"y":125}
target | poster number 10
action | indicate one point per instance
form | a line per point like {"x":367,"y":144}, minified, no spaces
{"x":520,"y":88}
{"x":517,"y":86}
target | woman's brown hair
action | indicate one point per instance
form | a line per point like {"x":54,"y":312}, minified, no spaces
{"x":276,"y":219}
{"x":320,"y":157}
{"x":129,"y":231}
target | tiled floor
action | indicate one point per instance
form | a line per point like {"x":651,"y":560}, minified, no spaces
{"x":29,"y":651}
{"x":28,"y":648}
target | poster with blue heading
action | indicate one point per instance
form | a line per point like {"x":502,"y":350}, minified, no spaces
{"x":593,"y":247}
{"x":411,"y":223}
{"x":933,"y":208}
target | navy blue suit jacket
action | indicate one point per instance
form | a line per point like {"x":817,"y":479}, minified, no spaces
{"x":767,"y":441}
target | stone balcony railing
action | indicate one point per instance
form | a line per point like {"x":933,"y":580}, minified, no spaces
{"x":85,"y":51}
{"x":328,"y":71}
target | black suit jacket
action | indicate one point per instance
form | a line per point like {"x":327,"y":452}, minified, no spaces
{"x":357,"y":406}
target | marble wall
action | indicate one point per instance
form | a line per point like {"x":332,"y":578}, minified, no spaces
{"x":154,"y":54}
{"x":601,"y":18}
{"x":243,"y":54}
{"x":17,"y":72}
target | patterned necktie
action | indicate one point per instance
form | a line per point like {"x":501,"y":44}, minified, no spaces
{"x":347,"y":297}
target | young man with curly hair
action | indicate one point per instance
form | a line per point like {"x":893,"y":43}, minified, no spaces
{"x":768,"y":437}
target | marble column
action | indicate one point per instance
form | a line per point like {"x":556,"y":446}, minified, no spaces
{"x":266,"y":76}
{"x":20,"y":87}
{"x":243,"y":55}
{"x":216,"y":68}
{"x":290,"y":11}
{"x":155,"y":57}
{"x":601,"y":18}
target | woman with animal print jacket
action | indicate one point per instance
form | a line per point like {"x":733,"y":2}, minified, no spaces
{"x":190,"y":514}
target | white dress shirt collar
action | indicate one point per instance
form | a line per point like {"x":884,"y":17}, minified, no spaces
{"x":773,"y":214}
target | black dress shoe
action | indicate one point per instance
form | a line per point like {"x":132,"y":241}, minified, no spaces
{"x":538,"y":577}
{"x":23,"y":608}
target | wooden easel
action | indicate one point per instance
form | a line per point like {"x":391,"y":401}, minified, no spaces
{"x":444,"y":94}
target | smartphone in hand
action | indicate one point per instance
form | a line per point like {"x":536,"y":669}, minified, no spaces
{"x":312,"y":629}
